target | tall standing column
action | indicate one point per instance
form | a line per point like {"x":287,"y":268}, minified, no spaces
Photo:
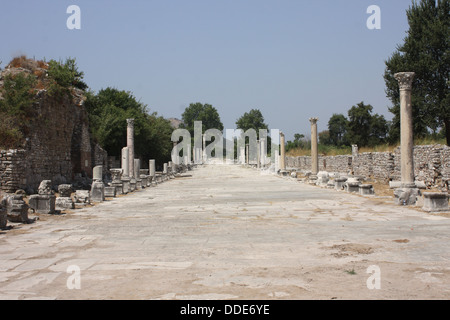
{"x":152,"y":170}
{"x":258,"y":155}
{"x":247,"y":149}
{"x":130,"y":146}
{"x":405,"y":80}
{"x":314,"y":151}
{"x":282,"y":159}
{"x":408,"y":192}
{"x":204,"y":148}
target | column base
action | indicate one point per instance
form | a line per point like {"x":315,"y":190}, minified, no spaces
{"x":406,"y":196}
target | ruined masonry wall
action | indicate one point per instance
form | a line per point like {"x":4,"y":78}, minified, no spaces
{"x":431,"y":164}
{"x":58,"y":148}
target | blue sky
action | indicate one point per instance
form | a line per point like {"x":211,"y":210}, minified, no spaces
{"x":291,"y":59}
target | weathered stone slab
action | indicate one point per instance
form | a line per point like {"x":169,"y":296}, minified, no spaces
{"x":43,"y":203}
{"x":366,"y":189}
{"x":110,"y":192}
{"x":339,"y":183}
{"x":352,"y":186}
{"x":435,"y":201}
{"x":97,"y":191}
{"x":64,"y":203}
{"x":82,"y":196}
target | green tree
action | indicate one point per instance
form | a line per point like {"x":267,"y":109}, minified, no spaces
{"x":252,"y":120}
{"x":324,"y":137}
{"x":108,"y":111}
{"x":206,"y":113}
{"x":426,"y":52}
{"x":365,"y":129}
{"x":17,"y":94}
{"x":65,"y":75}
{"x":337,"y":128}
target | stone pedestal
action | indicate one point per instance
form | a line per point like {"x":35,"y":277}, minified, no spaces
{"x":132,"y":184}
{"x":366,"y":189}
{"x":40,"y":203}
{"x":126,"y":187}
{"x":64,"y":201}
{"x":97,"y":191}
{"x":116,"y":181}
{"x":339,"y":183}
{"x":98,"y":188}
{"x":352,"y":186}
{"x":16,"y":209}
{"x":110,"y":192}
{"x":435,"y":201}
{"x":406,"y":196}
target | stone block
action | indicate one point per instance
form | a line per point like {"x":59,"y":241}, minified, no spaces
{"x":125,"y":185}
{"x":366,"y":189}
{"x":82,"y":196}
{"x":435,"y":201}
{"x":352,"y":186}
{"x":43,"y":203}
{"x":45,"y":187}
{"x":110,"y":192}
{"x":65,"y":190}
{"x":64,"y":203}
{"x":339,"y":183}
{"x":97,"y":191}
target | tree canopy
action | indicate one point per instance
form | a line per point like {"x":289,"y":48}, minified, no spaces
{"x":251,"y":120}
{"x":108,"y":111}
{"x":426,"y":52}
{"x":206,"y":113}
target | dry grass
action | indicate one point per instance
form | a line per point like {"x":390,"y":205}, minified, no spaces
{"x":335,"y":151}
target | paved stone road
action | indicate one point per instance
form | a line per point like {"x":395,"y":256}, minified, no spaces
{"x":226,"y":232}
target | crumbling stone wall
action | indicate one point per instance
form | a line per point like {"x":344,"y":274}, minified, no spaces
{"x":431,"y":164}
{"x":12,"y":170}
{"x":58,"y":147}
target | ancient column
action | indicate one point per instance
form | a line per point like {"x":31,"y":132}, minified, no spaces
{"x":263,"y":153}
{"x":282,"y":159}
{"x":407,"y":194}
{"x":258,"y":154}
{"x":152,"y":170}
{"x":204,"y":148}
{"x":314,"y":151}
{"x":97,"y":187}
{"x":125,"y":171}
{"x":405,"y":80}
{"x":247,"y":149}
{"x":130,"y":146}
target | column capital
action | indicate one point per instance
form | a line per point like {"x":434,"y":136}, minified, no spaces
{"x":313,"y":120}
{"x":130,"y":122}
{"x":405,"y":80}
